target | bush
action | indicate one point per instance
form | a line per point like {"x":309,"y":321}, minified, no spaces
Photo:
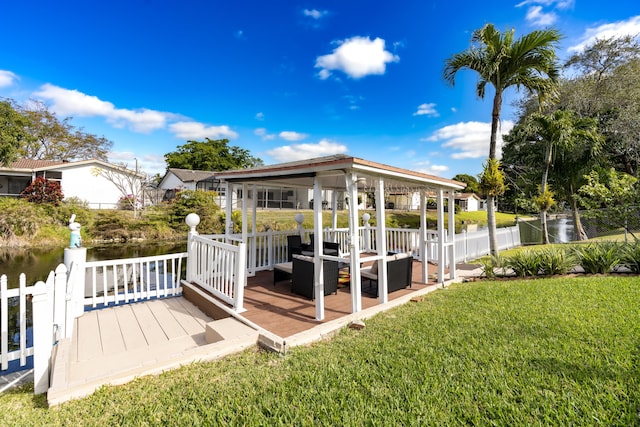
{"x":598,"y":258}
{"x":202,"y":203}
{"x":630,"y":256}
{"x":556,"y":261}
{"x":524,"y":263}
{"x":43,"y":191}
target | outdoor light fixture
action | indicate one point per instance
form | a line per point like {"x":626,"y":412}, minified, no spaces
{"x":299,"y":218}
{"x":366,"y":217}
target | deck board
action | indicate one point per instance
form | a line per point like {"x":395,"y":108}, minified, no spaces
{"x":171,"y":327}
{"x":89,"y":342}
{"x":150,"y":327}
{"x":185,"y":319}
{"x":131,"y":333}
{"x":110,"y":332}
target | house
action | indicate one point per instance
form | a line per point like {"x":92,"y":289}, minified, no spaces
{"x":469,"y":202}
{"x":78,"y":179}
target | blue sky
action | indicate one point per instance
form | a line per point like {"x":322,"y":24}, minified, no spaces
{"x":287,"y":80}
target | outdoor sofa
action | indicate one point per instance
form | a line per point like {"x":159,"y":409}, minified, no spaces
{"x":399,"y":272}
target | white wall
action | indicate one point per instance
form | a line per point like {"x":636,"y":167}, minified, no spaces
{"x":100,"y":193}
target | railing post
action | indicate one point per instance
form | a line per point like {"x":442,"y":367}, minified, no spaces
{"x":270,"y":248}
{"x":42,"y":306}
{"x":192,"y":220}
{"x":75,"y":259}
{"x":240,"y":275}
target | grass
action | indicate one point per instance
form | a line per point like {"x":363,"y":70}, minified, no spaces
{"x":528,"y":352}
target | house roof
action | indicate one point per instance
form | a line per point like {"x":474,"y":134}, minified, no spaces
{"x":188,"y":175}
{"x":331,"y":170}
{"x":30,"y":165}
{"x":461,"y":196}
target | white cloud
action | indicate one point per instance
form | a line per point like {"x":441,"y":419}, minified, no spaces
{"x":469,"y":140}
{"x":427,"y":110}
{"x":262,"y":132}
{"x":260,"y":116}
{"x":67,"y":102}
{"x":426,"y":167}
{"x":294,"y":152}
{"x":629,"y":27}
{"x":292,"y":136}
{"x":314,"y":13}
{"x":535,"y":16}
{"x":7,"y":78}
{"x":196,"y":130}
{"x":559,"y":4}
{"x":357,"y":57}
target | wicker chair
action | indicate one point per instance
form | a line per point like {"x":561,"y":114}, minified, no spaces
{"x":294,"y":246}
{"x":399,"y":273}
{"x":302,"y":277}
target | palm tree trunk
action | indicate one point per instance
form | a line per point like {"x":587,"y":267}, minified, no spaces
{"x":491,"y":224}
{"x":543,"y":225}
{"x":578,"y":230}
{"x":543,"y":189}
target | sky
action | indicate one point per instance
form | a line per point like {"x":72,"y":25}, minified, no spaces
{"x":287,"y":80}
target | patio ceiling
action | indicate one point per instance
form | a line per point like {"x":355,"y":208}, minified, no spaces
{"x":331,"y":171}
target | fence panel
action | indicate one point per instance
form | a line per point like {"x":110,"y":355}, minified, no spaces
{"x":16,"y":323}
{"x":127,"y":280}
{"x":218,"y":267}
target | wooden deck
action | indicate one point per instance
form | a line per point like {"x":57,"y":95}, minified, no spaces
{"x":278,"y":310}
{"x":117,"y":344}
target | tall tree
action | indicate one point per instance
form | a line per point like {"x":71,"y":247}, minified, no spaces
{"x":503,"y":62}
{"x":12,"y":132}
{"x":56,"y":139}
{"x":473,"y":186}
{"x":559,"y":132}
{"x":131,"y":184}
{"x":607,"y":88}
{"x":211,"y":155}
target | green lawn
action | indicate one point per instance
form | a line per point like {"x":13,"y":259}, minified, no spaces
{"x":561,"y":351}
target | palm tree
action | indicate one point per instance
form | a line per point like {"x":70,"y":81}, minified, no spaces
{"x":503,"y":62}
{"x":560,"y":132}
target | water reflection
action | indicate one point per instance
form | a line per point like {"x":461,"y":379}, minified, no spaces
{"x":560,"y":231}
{"x":36,"y":263}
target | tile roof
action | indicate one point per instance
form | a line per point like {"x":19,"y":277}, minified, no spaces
{"x":34,"y":164}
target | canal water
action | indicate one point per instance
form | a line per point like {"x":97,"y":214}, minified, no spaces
{"x":560,"y":231}
{"x":36,"y":263}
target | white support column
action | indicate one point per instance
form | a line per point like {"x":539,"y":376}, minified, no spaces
{"x":422,"y":236}
{"x":441,"y":237}
{"x":354,"y":243}
{"x":334,"y":210}
{"x":254,"y":216}
{"x":317,"y":249}
{"x":381,"y":244}
{"x":228,"y":226}
{"x":452,"y":236}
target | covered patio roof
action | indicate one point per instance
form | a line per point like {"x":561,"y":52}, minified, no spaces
{"x":353,"y":175}
{"x":331,"y":170}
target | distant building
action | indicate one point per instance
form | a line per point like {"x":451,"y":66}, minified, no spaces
{"x":77,"y":179}
{"x":469,"y":202}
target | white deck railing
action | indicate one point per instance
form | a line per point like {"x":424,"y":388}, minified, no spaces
{"x":133,"y":279}
{"x":219,"y":267}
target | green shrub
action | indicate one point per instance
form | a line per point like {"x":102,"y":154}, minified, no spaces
{"x":630,"y":256}
{"x":202,"y":203}
{"x":490,"y":264}
{"x":598,"y":258}
{"x":556,"y":261}
{"x":524,"y":263}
